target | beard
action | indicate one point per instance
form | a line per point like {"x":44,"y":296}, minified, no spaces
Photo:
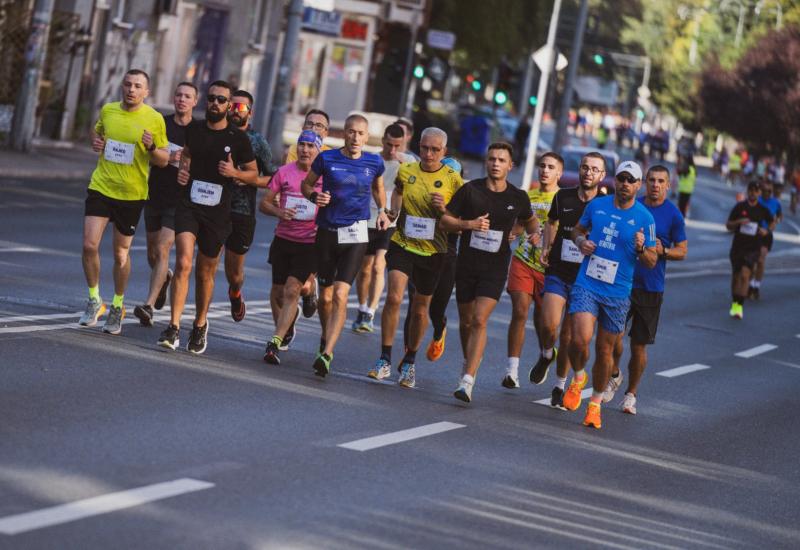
{"x":237,"y":121}
{"x":213,"y":116}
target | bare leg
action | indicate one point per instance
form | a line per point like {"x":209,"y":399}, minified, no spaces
{"x":158,"y":258}
{"x":184,"y":251}
{"x":364,"y":279}
{"x":390,"y":317}
{"x":234,"y":270}
{"x":477,"y":338}
{"x":520,"y":305}
{"x":291,"y":293}
{"x":122,"y":261}
{"x":338,"y":314}
{"x":378,"y":280}
{"x":93,"y":228}
{"x":636,"y":366}
{"x":276,"y":302}
{"x":205,"y":270}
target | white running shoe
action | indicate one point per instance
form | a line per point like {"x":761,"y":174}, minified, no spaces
{"x":612,"y":387}
{"x":629,"y":404}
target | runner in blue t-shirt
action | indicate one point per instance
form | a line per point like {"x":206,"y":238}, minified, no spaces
{"x":648,"y":285}
{"x":613,"y":234}
{"x":773,"y":204}
{"x":348,"y":175}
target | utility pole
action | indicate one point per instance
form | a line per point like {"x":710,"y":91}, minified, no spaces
{"x":407,"y":95}
{"x":266,"y":76}
{"x":24,"y":121}
{"x":577,"y":43}
{"x":280,"y":100}
{"x":544,"y":79}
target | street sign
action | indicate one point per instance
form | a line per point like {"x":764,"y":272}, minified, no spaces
{"x":540,"y":58}
{"x":437,"y":69}
{"x":441,"y":40}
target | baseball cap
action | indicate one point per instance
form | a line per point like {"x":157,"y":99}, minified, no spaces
{"x":309,"y":136}
{"x":630,"y":167}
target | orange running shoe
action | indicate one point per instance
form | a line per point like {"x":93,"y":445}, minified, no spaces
{"x":436,"y":347}
{"x":572,"y":397}
{"x":592,"y":417}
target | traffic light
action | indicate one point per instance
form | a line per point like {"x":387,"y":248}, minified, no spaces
{"x":419,"y":71}
{"x":476,"y":85}
{"x":533,"y":100}
{"x":598,"y":59}
{"x":500,"y":97}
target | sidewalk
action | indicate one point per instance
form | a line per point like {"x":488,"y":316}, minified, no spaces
{"x":50,"y":160}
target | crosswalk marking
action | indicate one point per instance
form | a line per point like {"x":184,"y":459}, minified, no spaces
{"x":369,"y":443}
{"x":758,"y":350}
{"x":678,"y":371}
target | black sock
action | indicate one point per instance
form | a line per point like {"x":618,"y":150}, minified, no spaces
{"x":386,"y":353}
{"x":738,"y":299}
{"x":410,"y":357}
{"x":438,"y":328}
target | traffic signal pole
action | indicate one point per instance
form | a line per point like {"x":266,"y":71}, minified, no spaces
{"x":544,"y":79}
{"x":560,"y":138}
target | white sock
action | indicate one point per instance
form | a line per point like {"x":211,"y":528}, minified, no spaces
{"x":579,"y":374}
{"x":369,"y":311}
{"x":547,"y":353}
{"x":468,"y":379}
{"x":561,"y":383}
{"x":362,"y":308}
{"x":513,"y":365}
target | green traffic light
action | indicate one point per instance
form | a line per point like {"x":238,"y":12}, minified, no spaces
{"x":419,"y":71}
{"x":476,"y":85}
{"x":598,"y":59}
{"x":500,"y":97}
{"x":533,"y":100}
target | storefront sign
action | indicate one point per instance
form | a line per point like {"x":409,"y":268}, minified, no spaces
{"x":354,"y":29}
{"x":441,"y":40}
{"x":325,"y":22}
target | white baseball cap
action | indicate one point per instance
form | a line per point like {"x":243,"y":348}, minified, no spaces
{"x":630,"y":167}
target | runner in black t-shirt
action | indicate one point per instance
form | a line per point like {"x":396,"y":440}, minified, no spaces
{"x":159,"y":211}
{"x":212,"y":152}
{"x":485,"y":211}
{"x":750,"y":222}
{"x":562,"y":261}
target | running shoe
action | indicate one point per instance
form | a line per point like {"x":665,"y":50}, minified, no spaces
{"x":755,"y":293}
{"x":511,"y":379}
{"x":114,"y":320}
{"x":629,"y":404}
{"x":380,"y":370}
{"x":737,"y":311}
{"x":557,"y":399}
{"x":592,"y":417}
{"x":464,"y":390}
{"x":366,"y":323}
{"x":612,"y":387}
{"x":271,"y":355}
{"x":94,"y":310}
{"x":357,"y":323}
{"x":238,"y":307}
{"x":309,"y":305}
{"x":572,"y":397}
{"x":322,"y":365}
{"x":539,"y":371}
{"x":198,"y":339}
{"x":144,"y":314}
{"x":170,"y":338}
{"x":436,"y":347}
{"x":290,"y":334}
{"x":162,"y":294}
{"x":407,"y":377}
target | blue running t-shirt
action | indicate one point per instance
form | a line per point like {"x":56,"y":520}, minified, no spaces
{"x":349,"y":181}
{"x":609,"y":271}
{"x":774,"y":206}
{"x":670,"y":229}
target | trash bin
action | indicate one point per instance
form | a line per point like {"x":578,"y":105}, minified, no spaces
{"x":475,"y":135}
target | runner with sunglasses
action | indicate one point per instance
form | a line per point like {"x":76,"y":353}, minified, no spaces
{"x":613,"y":234}
{"x":318,"y":122}
{"x":214,"y":148}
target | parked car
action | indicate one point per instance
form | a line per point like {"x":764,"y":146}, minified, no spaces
{"x":572,"y":160}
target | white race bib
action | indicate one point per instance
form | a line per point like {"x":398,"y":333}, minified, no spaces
{"x":353,"y":234}
{"x":570,"y":252}
{"x":420,"y":228}
{"x":174,"y":148}
{"x":206,"y":193}
{"x":488,"y":241}
{"x":749,"y":229}
{"x":304,"y":209}
{"x":119,"y":152}
{"x":602,"y":269}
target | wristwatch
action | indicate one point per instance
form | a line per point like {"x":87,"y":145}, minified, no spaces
{"x":665,"y":253}
{"x":152,"y":147}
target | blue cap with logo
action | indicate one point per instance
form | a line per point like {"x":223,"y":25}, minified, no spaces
{"x":308,"y":136}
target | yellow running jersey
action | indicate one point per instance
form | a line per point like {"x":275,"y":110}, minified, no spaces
{"x":124,"y":165}
{"x":540,"y":204}
{"x":418,"y":224}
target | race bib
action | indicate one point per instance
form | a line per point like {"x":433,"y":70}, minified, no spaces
{"x":749,"y":229}
{"x":353,"y":234}
{"x":488,"y":241}
{"x":206,"y":193}
{"x":602,"y":269}
{"x":119,"y":152}
{"x":420,"y":228}
{"x":570,"y":252}
{"x":174,"y":148}
{"x":304,"y":209}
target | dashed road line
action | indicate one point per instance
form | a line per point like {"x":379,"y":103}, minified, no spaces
{"x":95,"y":506}
{"x":758,"y":350}
{"x":785,"y":363}
{"x":370,"y":443}
{"x":686,"y":369}
{"x":585,"y":394}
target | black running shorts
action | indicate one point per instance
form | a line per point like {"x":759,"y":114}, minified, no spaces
{"x":124,"y":214}
{"x":643,"y":315}
{"x":379,"y":240}
{"x":422,"y":271}
{"x":480,"y":280}
{"x":337,"y":262}
{"x":744,"y":258}
{"x":210,"y":233}
{"x":243,"y":229}
{"x":157,"y":218}
{"x":291,"y":259}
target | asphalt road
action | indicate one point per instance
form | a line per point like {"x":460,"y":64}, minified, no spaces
{"x":111,"y":442}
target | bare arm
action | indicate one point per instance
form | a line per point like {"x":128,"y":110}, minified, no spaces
{"x":307,"y":189}
{"x":379,"y":195}
{"x":678,"y":251}
{"x":186,"y":164}
{"x":453,"y":224}
{"x":578,"y":236}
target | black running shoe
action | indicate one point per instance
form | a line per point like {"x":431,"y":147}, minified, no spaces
{"x":557,"y":399}
{"x":144,"y":314}
{"x":538,"y":373}
{"x":755,"y":293}
{"x":238,"y":307}
{"x":271,"y":355}
{"x":197,"y":340}
{"x":170,"y":338}
{"x":309,"y":305}
{"x":322,"y":365}
{"x":290,"y":334}
{"x":162,"y":294}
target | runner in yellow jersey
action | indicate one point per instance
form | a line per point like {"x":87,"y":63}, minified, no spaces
{"x":418,"y":249}
{"x":526,"y":274}
{"x":318,"y":122}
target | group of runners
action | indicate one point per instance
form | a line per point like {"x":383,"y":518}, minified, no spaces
{"x":344,"y":215}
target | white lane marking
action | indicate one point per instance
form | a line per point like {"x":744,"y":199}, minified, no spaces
{"x":48,"y":316}
{"x":785,"y":363}
{"x":364,"y":378}
{"x":20,"y":249}
{"x":797,"y":335}
{"x":677,"y":371}
{"x":585,"y":394}
{"x":758,"y":350}
{"x":80,"y":509}
{"x":369,"y":443}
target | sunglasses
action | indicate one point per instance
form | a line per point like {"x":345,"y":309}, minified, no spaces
{"x":221,"y":99}
{"x":240,"y":107}
{"x":623,"y":178}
